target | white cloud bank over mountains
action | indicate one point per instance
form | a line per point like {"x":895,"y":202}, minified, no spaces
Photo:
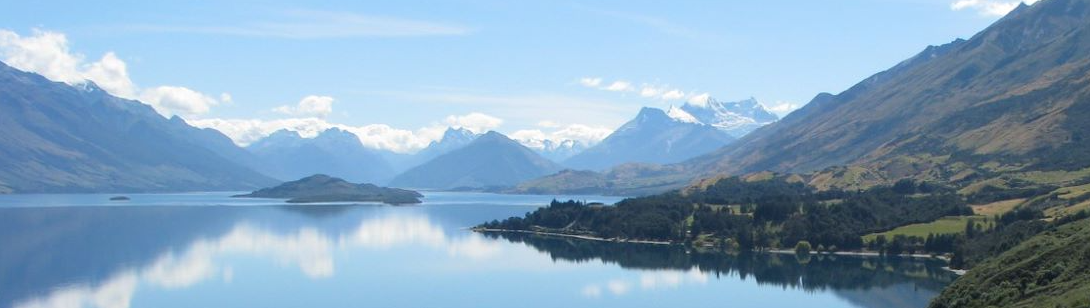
{"x":47,"y":53}
{"x":377,"y":136}
{"x":385,"y":137}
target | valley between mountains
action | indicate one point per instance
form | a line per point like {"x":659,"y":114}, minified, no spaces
{"x":976,"y":151}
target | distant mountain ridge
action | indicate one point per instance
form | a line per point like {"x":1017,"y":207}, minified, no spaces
{"x":653,"y":136}
{"x":59,"y":138}
{"x":490,"y":160}
{"x":287,"y":155}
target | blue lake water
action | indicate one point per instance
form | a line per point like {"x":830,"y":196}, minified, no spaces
{"x":209,"y":250}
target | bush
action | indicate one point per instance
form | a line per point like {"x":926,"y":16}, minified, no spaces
{"x":802,"y":248}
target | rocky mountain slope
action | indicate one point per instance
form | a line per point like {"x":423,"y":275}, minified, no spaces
{"x":59,"y":138}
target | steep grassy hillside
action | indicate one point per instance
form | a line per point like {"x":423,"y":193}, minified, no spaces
{"x":1051,"y":269}
{"x":1015,"y":96}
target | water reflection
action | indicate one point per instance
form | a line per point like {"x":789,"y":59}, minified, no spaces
{"x":372,"y":255}
{"x":308,"y":249}
{"x":647,"y":280}
{"x":864,"y":281}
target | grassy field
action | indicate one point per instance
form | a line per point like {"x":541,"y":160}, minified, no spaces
{"x":1073,"y":191}
{"x":1061,"y":211}
{"x":945,"y":225}
{"x":996,"y":208}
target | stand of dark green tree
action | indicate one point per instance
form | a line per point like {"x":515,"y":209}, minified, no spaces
{"x":751,"y":215}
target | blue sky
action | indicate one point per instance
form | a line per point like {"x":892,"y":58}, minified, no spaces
{"x":412,"y":66}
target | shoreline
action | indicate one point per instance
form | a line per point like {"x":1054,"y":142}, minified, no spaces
{"x":582,"y":237}
{"x":775,"y":251}
{"x":860,"y":253}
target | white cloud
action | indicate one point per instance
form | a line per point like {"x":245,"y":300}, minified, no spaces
{"x":582,"y":134}
{"x":475,"y":121}
{"x":648,"y":90}
{"x":310,"y":106}
{"x":988,"y":7}
{"x":312,"y":24}
{"x":619,"y":86}
{"x":377,"y":136}
{"x":47,"y":53}
{"x":43,"y":52}
{"x":699,"y":99}
{"x":673,"y":94}
{"x":782,"y":108}
{"x":112,"y":75}
{"x":170,"y":100}
{"x":592,"y":82}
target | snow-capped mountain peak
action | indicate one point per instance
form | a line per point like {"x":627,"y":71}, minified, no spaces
{"x":736,"y":118}
{"x":681,"y":115}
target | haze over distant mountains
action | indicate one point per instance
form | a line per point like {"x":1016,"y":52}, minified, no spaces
{"x":62,"y":138}
{"x":652,"y":137}
{"x":285,"y":155}
{"x":490,"y":160}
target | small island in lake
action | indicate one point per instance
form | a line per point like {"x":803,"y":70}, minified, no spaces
{"x":324,"y":188}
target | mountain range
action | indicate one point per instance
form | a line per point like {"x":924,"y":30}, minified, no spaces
{"x":490,"y":160}
{"x":652,"y":137}
{"x":285,"y":155}
{"x":453,"y":139}
{"x":63,"y":138}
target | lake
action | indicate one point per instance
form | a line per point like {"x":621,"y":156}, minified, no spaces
{"x":209,"y":250}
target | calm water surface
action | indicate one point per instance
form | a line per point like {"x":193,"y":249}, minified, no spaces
{"x":209,"y":250}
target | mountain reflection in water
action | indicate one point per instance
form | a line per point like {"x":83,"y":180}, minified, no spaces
{"x":373,"y":255}
{"x":306,"y":248}
{"x":910,"y":282}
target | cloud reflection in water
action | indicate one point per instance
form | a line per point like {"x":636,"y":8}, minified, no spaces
{"x":648,"y":280}
{"x":309,"y":249}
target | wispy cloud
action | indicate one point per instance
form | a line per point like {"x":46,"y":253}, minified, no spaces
{"x":310,"y":106}
{"x":648,"y":90}
{"x":659,"y":24}
{"x":988,"y":7}
{"x":522,"y":107}
{"x":312,"y":24}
